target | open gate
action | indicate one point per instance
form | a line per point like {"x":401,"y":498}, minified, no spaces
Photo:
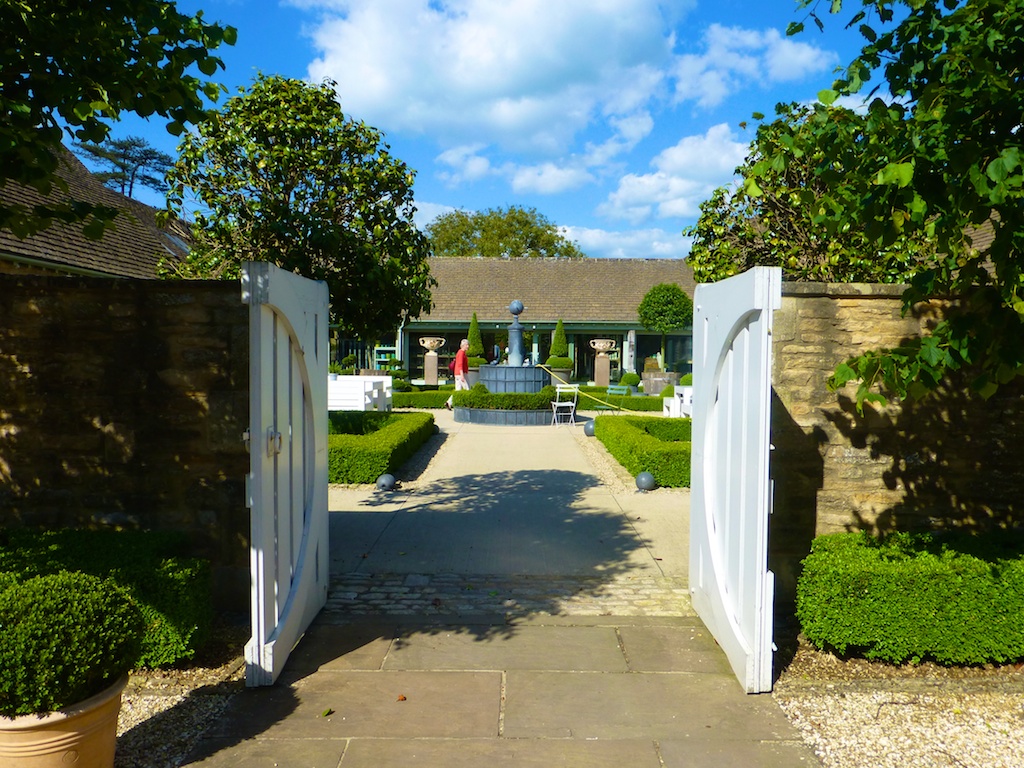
{"x":286,"y":489}
{"x":732,"y":589}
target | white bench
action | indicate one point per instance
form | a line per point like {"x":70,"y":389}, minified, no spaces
{"x":359,"y":393}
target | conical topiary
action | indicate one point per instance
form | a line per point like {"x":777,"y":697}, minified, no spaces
{"x":558,"y":356}
{"x":476,"y":344}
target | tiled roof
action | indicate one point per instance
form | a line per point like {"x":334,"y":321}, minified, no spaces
{"x":573,"y":290}
{"x":132,"y":248}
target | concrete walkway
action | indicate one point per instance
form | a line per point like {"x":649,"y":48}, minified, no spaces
{"x":506,"y":608}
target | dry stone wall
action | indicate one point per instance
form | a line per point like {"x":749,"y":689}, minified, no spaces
{"x":944,"y":461}
{"x":122,"y":403}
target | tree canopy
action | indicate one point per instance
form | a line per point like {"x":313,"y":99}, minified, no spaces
{"x":128,"y":162}
{"x":940,"y":156}
{"x":282,"y":175}
{"x":775,"y":217}
{"x":665,"y":308}
{"x":74,"y":66}
{"x":511,"y":232}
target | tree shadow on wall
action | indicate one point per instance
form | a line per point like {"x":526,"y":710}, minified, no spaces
{"x":952,"y":455}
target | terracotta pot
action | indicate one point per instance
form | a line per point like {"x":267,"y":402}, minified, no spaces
{"x":83,"y":735}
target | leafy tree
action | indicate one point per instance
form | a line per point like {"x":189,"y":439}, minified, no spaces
{"x":511,"y":232}
{"x":943,"y":158}
{"x":665,"y":308}
{"x":74,"y":66}
{"x":129,"y":161}
{"x":282,"y":175}
{"x":774,"y":217}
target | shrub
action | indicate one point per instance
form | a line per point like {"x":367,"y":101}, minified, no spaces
{"x":686,"y":381}
{"x":956,"y":599}
{"x":630,"y":380}
{"x":434,"y":398}
{"x":646,"y":444}
{"x":66,"y":637}
{"x":479,"y":397}
{"x":172,"y":591}
{"x":558,"y":355}
{"x":668,"y":391}
{"x":363,"y":456}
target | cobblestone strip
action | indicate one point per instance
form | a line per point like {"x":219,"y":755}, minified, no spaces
{"x":358,"y":594}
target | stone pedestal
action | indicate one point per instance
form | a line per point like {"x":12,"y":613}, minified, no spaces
{"x":431,"y":344}
{"x":602,"y":370}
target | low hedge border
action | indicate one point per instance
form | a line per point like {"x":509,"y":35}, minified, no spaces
{"x":364,"y":454}
{"x":173,"y":591}
{"x":425,"y":399}
{"x":479,"y":397}
{"x":637,"y":403}
{"x":647,"y":444}
{"x":952,"y":598}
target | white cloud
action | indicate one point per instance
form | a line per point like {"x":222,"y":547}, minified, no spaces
{"x":548,"y":178}
{"x":684,"y":176}
{"x":634,"y":244}
{"x":528,"y":75}
{"x":465,"y":162}
{"x":735,"y":58}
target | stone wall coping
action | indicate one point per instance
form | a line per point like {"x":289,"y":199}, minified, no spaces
{"x":839,"y":290}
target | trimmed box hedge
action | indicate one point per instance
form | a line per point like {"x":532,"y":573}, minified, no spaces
{"x":173,"y":591}
{"x":362,"y":446}
{"x":950,"y":598}
{"x":649,"y":444}
{"x":435,"y":398}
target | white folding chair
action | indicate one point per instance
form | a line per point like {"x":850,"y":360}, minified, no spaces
{"x":564,"y":403}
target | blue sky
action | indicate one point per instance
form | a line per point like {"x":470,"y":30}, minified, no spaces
{"x":613,"y":118}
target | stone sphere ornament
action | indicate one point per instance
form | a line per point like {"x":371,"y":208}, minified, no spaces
{"x":516,"y":307}
{"x":588,"y":429}
{"x":645,"y":481}
{"x":386,"y":482}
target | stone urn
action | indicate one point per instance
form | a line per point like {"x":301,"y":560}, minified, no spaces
{"x":602,"y":363}
{"x":602,"y":346}
{"x":431,"y":344}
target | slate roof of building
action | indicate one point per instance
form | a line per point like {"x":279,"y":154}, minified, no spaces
{"x":132,"y":248}
{"x":573,"y":290}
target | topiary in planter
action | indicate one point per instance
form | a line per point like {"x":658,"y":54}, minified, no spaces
{"x":65,"y":637}
{"x":558,"y":355}
{"x":630,"y":380}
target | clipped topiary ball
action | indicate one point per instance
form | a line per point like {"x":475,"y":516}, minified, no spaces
{"x":645,"y":481}
{"x":386,"y":482}
{"x":588,"y":429}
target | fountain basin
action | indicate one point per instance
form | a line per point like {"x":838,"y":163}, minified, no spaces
{"x":508,"y":378}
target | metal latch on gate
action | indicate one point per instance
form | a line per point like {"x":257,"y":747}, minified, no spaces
{"x":274,"y":441}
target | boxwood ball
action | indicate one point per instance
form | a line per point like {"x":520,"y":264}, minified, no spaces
{"x":645,"y":481}
{"x":386,"y":482}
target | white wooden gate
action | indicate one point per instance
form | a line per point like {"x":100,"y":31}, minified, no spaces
{"x":732,"y":589}
{"x":286,"y":489}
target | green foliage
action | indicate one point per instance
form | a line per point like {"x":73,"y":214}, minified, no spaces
{"x":648,"y":444}
{"x":630,"y":379}
{"x":128,"y":162}
{"x":281,"y":175}
{"x":511,"y":232}
{"x":475,"y":352}
{"x":558,"y":354}
{"x":955,"y":599}
{"x":422,"y":399}
{"x":172,"y":591}
{"x":377,"y":443}
{"x":665,"y":308}
{"x":68,"y":65}
{"x":668,"y":391}
{"x":479,"y":397}
{"x":774,"y":217}
{"x":941,"y":160}
{"x":66,"y":636}
{"x":686,"y":381}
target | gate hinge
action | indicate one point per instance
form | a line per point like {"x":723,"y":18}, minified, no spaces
{"x":274,"y":441}
{"x":247,"y":440}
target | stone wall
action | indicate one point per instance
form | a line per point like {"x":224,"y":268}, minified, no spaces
{"x":946,"y":460}
{"x":122,"y":402}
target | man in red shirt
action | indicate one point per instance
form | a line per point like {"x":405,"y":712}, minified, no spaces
{"x":461,"y":370}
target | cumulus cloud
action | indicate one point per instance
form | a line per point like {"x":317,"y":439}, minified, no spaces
{"x":734,"y":58}
{"x":684,"y":175}
{"x":632,"y":244}
{"x":527,"y":75}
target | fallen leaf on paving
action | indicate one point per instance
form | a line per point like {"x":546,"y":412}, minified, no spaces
{"x":327,"y":712}
{"x":401,"y":697}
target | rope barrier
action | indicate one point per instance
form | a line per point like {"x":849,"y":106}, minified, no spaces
{"x":605,"y":403}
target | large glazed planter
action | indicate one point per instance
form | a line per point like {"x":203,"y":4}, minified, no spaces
{"x":560,"y":376}
{"x":83,"y":735}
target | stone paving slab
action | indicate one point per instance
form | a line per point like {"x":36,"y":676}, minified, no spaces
{"x":466,"y":753}
{"x":657,"y":706}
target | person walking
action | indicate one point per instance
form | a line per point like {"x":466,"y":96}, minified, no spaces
{"x":461,"y":370}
